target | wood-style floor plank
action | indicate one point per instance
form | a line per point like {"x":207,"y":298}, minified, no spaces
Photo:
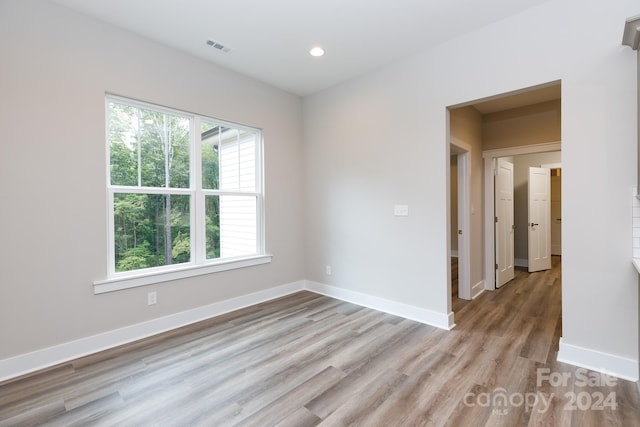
{"x":307,"y":360}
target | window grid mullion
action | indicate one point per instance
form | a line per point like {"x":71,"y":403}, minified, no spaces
{"x":238,"y":159}
{"x":229,"y":193}
{"x":139,"y":147}
{"x":259,"y":188}
{"x":149,"y":190}
{"x":199,"y":220}
{"x":112,"y":244}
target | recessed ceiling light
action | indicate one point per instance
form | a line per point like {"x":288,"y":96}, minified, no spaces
{"x":316,"y":51}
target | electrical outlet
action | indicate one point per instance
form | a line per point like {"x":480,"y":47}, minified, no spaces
{"x":152,"y":298}
{"x":328,"y":270}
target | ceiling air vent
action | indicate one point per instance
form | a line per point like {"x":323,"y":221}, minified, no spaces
{"x":219,"y":46}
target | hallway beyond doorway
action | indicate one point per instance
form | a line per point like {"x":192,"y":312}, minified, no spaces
{"x":528,"y":294}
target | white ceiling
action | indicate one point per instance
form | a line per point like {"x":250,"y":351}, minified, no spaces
{"x":271,"y":38}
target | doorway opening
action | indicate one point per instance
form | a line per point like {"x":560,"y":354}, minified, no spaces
{"x":518,"y":123}
{"x":525,"y":158}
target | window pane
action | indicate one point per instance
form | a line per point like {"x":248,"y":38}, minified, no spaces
{"x":148,"y":148}
{"x":237,"y":226}
{"x":212,"y":225}
{"x":231,"y":223}
{"x":164,"y":145}
{"x":150,"y":230}
{"x":123,"y":146}
{"x":238,"y":160}
{"x":247,"y":161}
{"x":210,"y":137}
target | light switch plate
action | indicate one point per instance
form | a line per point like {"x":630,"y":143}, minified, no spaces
{"x":401,"y":210}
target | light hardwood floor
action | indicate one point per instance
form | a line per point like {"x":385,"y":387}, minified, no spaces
{"x":307,"y":360}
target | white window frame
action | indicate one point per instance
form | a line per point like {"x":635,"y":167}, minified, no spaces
{"x":199,"y":264}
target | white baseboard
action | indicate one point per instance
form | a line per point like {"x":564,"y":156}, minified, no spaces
{"x":519,"y":262}
{"x":422,"y":315}
{"x":609,"y":364}
{"x":19,"y":365}
{"x":477,"y":289}
{"x":25,"y":363}
{"x":30,"y":362}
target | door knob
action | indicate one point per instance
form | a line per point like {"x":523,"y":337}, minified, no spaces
{"x":533,"y":224}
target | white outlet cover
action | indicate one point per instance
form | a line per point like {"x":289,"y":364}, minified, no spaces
{"x":152,"y":298}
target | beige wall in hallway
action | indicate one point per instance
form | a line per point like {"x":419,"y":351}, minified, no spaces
{"x":454,"y":202}
{"x":532,"y":124}
{"x":466,"y":126}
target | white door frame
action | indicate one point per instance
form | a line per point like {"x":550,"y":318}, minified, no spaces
{"x":552,"y":165}
{"x":464,"y":220}
{"x":489,"y":159}
{"x":555,"y":166}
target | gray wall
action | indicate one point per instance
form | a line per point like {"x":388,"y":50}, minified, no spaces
{"x":56,"y":67}
{"x":355,"y":172}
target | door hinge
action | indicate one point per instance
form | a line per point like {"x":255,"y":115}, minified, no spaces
{"x":496,"y":266}
{"x":496,"y":219}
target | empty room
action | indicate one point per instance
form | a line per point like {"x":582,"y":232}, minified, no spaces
{"x":240,"y":213}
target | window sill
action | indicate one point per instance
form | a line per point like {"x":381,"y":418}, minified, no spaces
{"x":126,"y":282}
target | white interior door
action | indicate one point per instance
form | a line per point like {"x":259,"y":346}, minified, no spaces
{"x":504,"y":226}
{"x":539,"y":219}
